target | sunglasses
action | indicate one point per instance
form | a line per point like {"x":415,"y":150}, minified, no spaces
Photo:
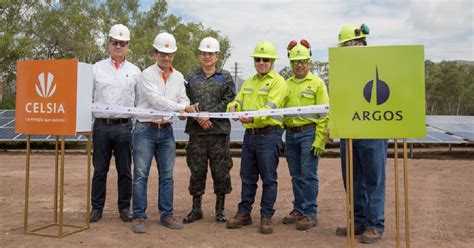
{"x":301,"y":62}
{"x":266,"y":60}
{"x":121,"y":43}
{"x":163,"y":55}
{"x":206,"y":54}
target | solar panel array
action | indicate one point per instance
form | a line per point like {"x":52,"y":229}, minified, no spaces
{"x":440,"y":129}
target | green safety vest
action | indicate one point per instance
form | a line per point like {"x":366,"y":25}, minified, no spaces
{"x":262,"y":94}
{"x":311,"y":90}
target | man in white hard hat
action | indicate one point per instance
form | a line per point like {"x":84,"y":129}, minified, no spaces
{"x":209,"y":141}
{"x":161,"y":87}
{"x":114,"y":84}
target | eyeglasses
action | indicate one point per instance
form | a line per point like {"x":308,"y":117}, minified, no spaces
{"x":121,"y":43}
{"x":266,"y":60}
{"x":301,"y":62}
{"x":204,"y":54}
{"x":164,"y":55}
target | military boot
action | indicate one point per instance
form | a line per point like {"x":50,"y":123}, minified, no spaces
{"x":220,"y":202}
{"x":196,"y":212}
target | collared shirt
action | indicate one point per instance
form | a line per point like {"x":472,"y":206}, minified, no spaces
{"x":262,"y":94}
{"x":311,"y":90}
{"x":156,"y":93}
{"x":213,"y":93}
{"x":114,"y":86}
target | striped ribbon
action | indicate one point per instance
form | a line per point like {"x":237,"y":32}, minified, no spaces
{"x":101,"y":108}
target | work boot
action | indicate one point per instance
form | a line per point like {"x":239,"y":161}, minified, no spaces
{"x":306,"y":223}
{"x":293,"y":217}
{"x":139,"y":226}
{"x":239,"y":220}
{"x":220,"y":202}
{"x":371,"y":236}
{"x":265,"y":225}
{"x":342,"y":231}
{"x":196,"y":212}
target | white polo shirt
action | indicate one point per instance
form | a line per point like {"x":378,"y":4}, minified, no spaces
{"x":115,"y":86}
{"x":160,"y":93}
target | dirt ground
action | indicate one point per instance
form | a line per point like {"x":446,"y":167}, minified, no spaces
{"x":441,"y":208}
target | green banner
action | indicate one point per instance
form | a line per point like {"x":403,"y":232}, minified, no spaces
{"x":377,"y":92}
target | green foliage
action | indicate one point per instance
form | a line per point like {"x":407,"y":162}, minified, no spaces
{"x":33,"y":29}
{"x":449,"y":88}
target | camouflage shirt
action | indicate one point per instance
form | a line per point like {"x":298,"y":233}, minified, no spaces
{"x":213,"y":94}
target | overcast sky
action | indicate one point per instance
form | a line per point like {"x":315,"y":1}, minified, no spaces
{"x":444,"y":27}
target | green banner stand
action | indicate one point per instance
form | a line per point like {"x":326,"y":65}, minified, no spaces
{"x":377,"y":93}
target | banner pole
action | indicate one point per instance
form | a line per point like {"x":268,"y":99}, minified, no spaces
{"x":405,"y":184}
{"x":397,"y":207}
{"x":88,"y":201}
{"x":27,"y":184}
{"x":61,"y":188}
{"x":351,"y":178}
{"x":56,"y":164}
{"x":348,"y":203}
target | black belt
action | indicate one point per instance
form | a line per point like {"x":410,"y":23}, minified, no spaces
{"x":111,"y":121}
{"x":301,"y":128}
{"x":157,"y":125}
{"x":262,"y":130}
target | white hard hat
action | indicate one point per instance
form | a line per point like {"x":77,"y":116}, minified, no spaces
{"x":119,"y":32}
{"x":165,"y":43}
{"x":209,"y":44}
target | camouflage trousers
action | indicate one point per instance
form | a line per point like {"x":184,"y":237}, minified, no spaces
{"x":214,"y":148}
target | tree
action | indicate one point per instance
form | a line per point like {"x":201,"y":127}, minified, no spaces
{"x":15,"y":22}
{"x":66,"y":29}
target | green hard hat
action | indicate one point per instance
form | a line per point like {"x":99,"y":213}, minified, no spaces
{"x":299,"y":52}
{"x":352,"y":31}
{"x":265,"y":49}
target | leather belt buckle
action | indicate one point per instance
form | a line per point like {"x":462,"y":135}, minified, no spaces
{"x":159,"y":125}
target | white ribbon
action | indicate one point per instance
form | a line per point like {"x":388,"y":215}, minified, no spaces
{"x":101,"y":108}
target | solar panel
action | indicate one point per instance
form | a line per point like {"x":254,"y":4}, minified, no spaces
{"x":462,"y":126}
{"x":8,"y":113}
{"x":4,"y":121}
{"x":7,"y":133}
{"x":11,"y":124}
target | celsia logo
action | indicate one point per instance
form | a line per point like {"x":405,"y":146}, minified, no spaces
{"x":45,"y":90}
{"x":377,"y":92}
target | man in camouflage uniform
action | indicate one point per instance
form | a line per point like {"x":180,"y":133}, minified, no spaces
{"x":212,"y":88}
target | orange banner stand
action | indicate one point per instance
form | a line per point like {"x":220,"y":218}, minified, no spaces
{"x":54,"y":97}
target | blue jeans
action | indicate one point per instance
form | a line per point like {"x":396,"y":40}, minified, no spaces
{"x":111,"y":139}
{"x":260,"y":156}
{"x":303,"y":167}
{"x":149,"y":142}
{"x":369,"y":159}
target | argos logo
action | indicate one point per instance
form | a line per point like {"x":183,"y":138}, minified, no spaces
{"x":377,"y":93}
{"x":381,"y":89}
{"x":45,"y":88}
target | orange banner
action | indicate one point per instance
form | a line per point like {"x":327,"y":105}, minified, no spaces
{"x":46,"y":93}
